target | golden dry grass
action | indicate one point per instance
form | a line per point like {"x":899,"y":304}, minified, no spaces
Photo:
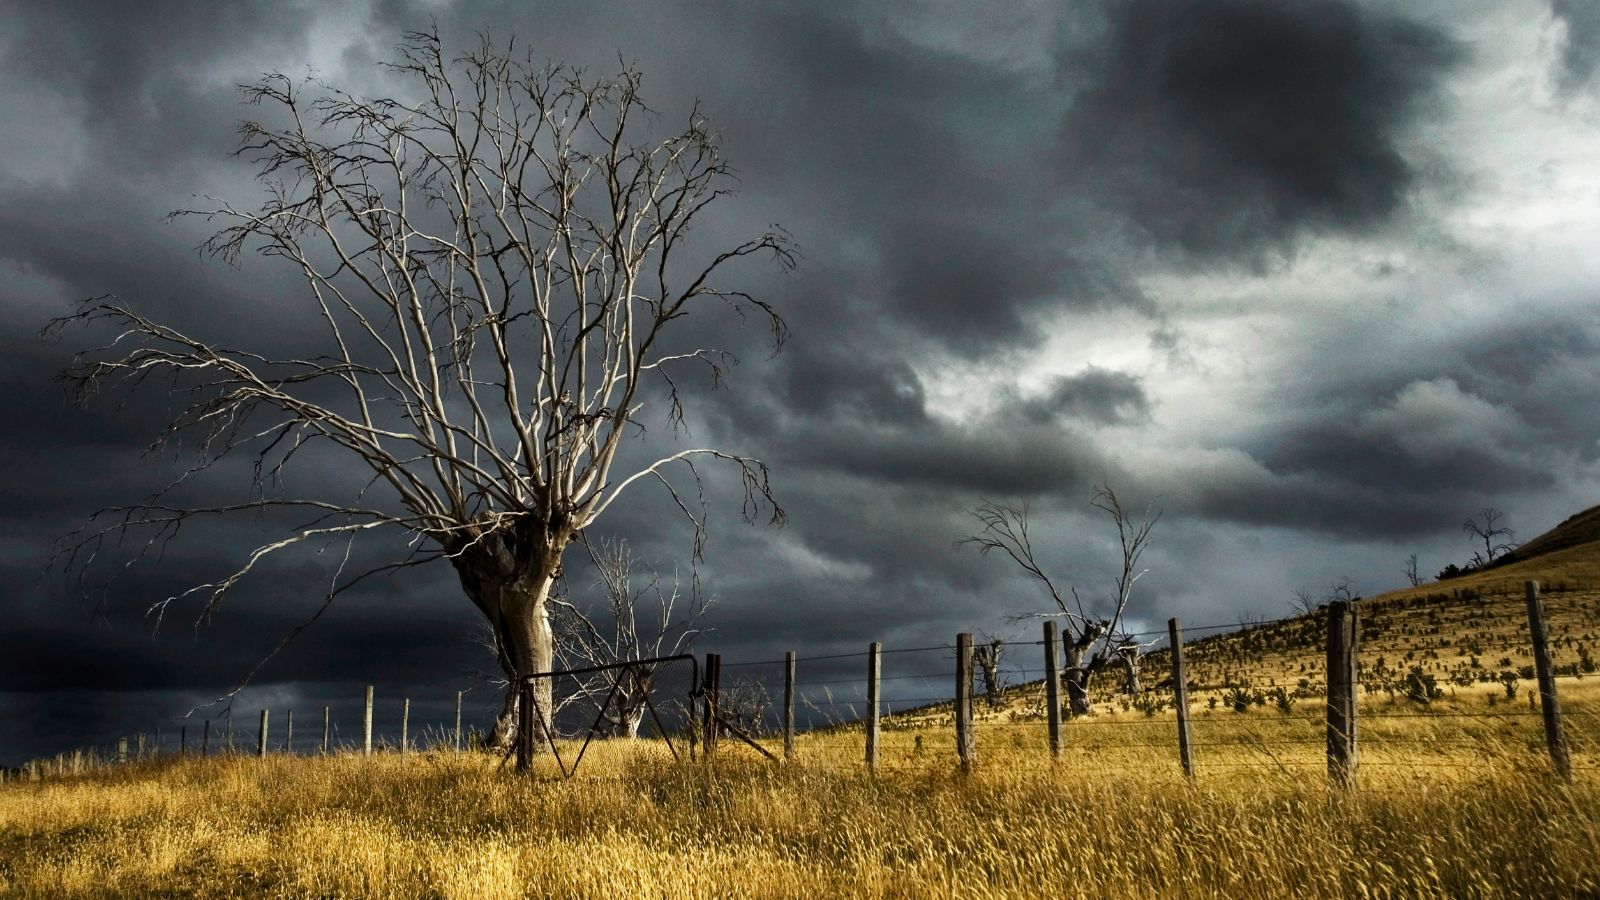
{"x":1114,"y":818}
{"x":1456,"y":798}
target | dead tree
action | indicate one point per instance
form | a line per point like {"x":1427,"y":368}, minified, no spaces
{"x":500,"y":264}
{"x":637,"y":623}
{"x":1497,"y":539}
{"x":987,"y":656}
{"x":1093,"y":638}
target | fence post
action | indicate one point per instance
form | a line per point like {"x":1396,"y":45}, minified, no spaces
{"x":525,"y":725}
{"x":1554,"y":735}
{"x":458,"y":721}
{"x":788,"y":705}
{"x":874,"y":684}
{"x":965,"y":746}
{"x":288,"y":732}
{"x":1180,"y":695}
{"x":326,"y":721}
{"x":405,"y":726}
{"x":122,"y":749}
{"x":139,"y":746}
{"x":1052,"y":685}
{"x":713,"y":688}
{"x":261,"y":737}
{"x":229,"y":732}
{"x":1342,"y":747}
{"x":183,"y":740}
{"x":205,"y":739}
{"x":366,"y":725}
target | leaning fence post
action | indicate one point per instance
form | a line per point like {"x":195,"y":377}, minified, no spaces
{"x":1554,"y":735}
{"x":965,"y":746}
{"x":788,"y":705}
{"x":1052,"y":686}
{"x":405,"y":725}
{"x":713,"y":689}
{"x":288,"y":732}
{"x":458,"y":721}
{"x":326,"y":721}
{"x":525,"y":724}
{"x":1180,"y":695}
{"x":874,"y":678}
{"x":1342,"y":747}
{"x":366,"y":725}
{"x":261,"y":737}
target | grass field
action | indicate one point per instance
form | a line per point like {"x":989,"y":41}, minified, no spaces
{"x":1455,"y":797}
{"x":1447,"y":806}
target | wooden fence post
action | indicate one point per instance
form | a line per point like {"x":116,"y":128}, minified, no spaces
{"x":405,"y":726}
{"x":327,"y":720}
{"x":1180,"y":695}
{"x":458,"y":721}
{"x":288,"y":732}
{"x":366,"y":725}
{"x":788,"y":705}
{"x":874,"y":684}
{"x":713,"y":688}
{"x":205,"y":739}
{"x":261,"y":737}
{"x":1052,"y":686}
{"x":139,"y":746}
{"x":183,"y":740}
{"x":965,"y":745}
{"x":525,"y":725}
{"x":122,"y":749}
{"x":1342,"y":747}
{"x":228,"y":733}
{"x":1554,"y":735}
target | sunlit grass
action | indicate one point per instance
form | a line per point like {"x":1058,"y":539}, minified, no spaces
{"x":1114,"y":817}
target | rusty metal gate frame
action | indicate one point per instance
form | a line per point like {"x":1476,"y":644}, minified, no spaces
{"x":528,"y":720}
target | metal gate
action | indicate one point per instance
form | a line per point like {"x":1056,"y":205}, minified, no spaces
{"x":614,"y":700}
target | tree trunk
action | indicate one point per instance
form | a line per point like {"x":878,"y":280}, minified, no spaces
{"x":512,"y":589}
{"x":1075,"y":676}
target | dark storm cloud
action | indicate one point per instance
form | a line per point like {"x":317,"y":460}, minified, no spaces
{"x":950,"y":204}
{"x":1580,"y":54}
{"x":1094,"y":395}
{"x":1228,"y":128}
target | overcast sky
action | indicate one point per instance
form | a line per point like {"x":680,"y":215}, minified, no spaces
{"x":1318,"y":279}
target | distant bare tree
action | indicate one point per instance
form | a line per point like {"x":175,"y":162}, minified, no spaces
{"x":1091,"y":639}
{"x":987,"y":656}
{"x":499,"y":264}
{"x":1411,"y":571}
{"x":637,"y":622}
{"x":1304,"y":604}
{"x":1497,"y":539}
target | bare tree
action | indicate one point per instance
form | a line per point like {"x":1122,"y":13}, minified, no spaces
{"x":1496,"y":538}
{"x":1092,"y":639}
{"x":1411,"y":571}
{"x":987,"y":656}
{"x":497,"y":264}
{"x":642,"y":622}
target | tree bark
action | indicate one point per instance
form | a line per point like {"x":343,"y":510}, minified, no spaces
{"x":511,"y":586}
{"x":1076,"y":674}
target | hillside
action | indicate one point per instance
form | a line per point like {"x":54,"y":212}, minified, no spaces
{"x":1580,"y":528}
{"x":1465,"y":637}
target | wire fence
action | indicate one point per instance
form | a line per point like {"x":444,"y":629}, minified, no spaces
{"x":1257,"y":698}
